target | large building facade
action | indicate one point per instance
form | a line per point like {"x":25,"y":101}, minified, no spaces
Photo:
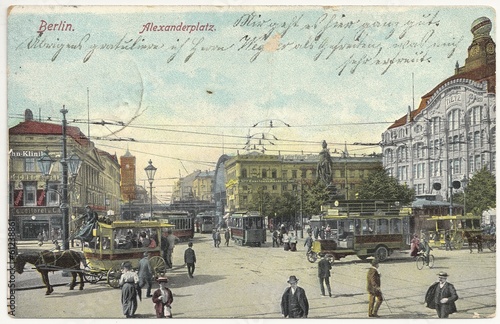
{"x":451,"y":135}
{"x":250,"y":175}
{"x":36,"y":210}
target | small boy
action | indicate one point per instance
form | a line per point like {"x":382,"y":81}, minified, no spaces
{"x":190,"y":259}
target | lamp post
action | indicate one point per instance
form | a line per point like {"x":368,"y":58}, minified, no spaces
{"x":150,"y":172}
{"x":464,"y":182}
{"x":73,"y":164}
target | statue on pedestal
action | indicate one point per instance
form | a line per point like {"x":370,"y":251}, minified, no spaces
{"x":325,"y":166}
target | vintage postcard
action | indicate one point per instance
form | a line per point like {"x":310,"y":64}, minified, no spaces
{"x":250,"y":161}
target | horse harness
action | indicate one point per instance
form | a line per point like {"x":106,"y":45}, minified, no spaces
{"x":43,"y":264}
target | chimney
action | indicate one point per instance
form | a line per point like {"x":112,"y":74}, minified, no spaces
{"x":28,"y":115}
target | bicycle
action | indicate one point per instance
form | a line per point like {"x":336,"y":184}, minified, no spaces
{"x":421,"y":262}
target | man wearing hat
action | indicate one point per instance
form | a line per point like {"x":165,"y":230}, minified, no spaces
{"x":441,"y":296}
{"x":145,"y":274}
{"x":163,"y":298}
{"x":373,"y":287}
{"x":294,"y":302}
{"x":324,"y":267}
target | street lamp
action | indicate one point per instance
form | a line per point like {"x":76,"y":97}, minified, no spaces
{"x":150,"y":172}
{"x":464,"y":182}
{"x":46,"y":162}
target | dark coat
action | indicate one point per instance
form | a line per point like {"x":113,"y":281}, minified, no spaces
{"x":301,"y":296}
{"x":448,"y":292}
{"x":159,"y":305}
{"x":324,"y":267}
{"x":189,"y":256}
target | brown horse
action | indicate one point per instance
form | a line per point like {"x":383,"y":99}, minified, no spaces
{"x":46,"y":261}
{"x":473,"y":239}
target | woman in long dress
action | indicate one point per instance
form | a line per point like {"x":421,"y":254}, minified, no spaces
{"x":414,"y":247}
{"x":129,"y":282}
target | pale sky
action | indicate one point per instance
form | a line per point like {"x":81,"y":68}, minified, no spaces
{"x":192,"y":96}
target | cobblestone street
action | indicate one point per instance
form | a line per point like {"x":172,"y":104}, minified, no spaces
{"x":247,"y":282}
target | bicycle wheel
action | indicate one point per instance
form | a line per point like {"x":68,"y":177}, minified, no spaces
{"x":420,"y":262}
{"x":431,"y":261}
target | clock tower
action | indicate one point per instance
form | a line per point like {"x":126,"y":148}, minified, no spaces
{"x":127,"y":163}
{"x":482,"y":49}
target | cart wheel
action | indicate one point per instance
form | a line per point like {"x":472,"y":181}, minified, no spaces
{"x":90,"y":276}
{"x":158,"y":266}
{"x":114,"y":275}
{"x":381,"y":253}
{"x":312,"y":257}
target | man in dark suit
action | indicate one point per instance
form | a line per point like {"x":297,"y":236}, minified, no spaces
{"x":294,"y":302}
{"x":441,"y":296}
{"x":324,"y":267}
{"x":373,"y":287}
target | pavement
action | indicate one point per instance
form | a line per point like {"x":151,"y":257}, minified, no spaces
{"x":247,"y":282}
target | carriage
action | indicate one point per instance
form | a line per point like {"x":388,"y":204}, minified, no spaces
{"x":118,"y":242}
{"x":459,"y":228}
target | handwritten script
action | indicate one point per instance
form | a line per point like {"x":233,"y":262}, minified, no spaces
{"x":348,"y":43}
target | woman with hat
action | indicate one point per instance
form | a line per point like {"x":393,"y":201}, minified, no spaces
{"x":129,"y":282}
{"x":294,"y":302}
{"x":441,"y":296}
{"x":163,"y":298}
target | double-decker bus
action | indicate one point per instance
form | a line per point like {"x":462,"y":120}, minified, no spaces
{"x":205,"y":222}
{"x":364,"y":228}
{"x":182,"y":220}
{"x":247,"y":228}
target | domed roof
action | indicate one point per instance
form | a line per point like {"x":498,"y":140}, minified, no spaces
{"x":481,"y":27}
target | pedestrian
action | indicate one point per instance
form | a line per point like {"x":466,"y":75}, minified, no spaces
{"x":214,"y":237}
{"x":324,"y":267}
{"x":414,"y":245}
{"x":294,"y":302}
{"x":328,"y":231}
{"x":308,"y":243}
{"x":227,"y":236}
{"x":171,"y":241}
{"x":163,"y":298}
{"x":286,"y":242}
{"x":190,"y":259}
{"x":129,"y":282}
{"x":373,"y":287}
{"x":441,"y":296}
{"x":293,"y":242}
{"x":447,"y":241}
{"x":40,"y":239}
{"x":145,"y":274}
{"x":275,"y":238}
{"x":316,"y":232}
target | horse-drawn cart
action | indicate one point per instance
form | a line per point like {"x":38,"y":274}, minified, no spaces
{"x":118,"y":242}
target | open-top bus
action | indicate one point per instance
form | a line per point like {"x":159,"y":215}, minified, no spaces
{"x":183,"y":222}
{"x":247,"y":228}
{"x":364,"y":228}
{"x":119,"y":241}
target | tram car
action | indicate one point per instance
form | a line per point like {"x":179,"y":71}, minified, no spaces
{"x":183,"y":222}
{"x":205,"y":222}
{"x":247,"y":228}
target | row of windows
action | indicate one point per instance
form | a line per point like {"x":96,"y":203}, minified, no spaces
{"x":454,"y":121}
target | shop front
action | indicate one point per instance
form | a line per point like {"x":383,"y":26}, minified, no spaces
{"x":32,"y":221}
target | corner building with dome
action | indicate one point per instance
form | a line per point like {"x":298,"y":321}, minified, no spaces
{"x":452,"y":133}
